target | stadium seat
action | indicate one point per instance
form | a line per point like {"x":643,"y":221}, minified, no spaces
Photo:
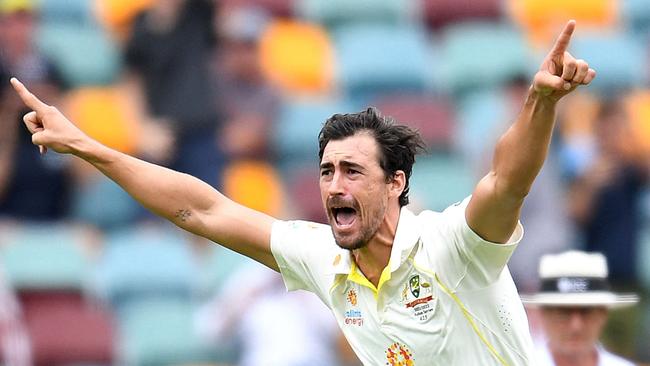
{"x":104,"y":114}
{"x":481,"y":55}
{"x":311,"y":72}
{"x":146,"y":261}
{"x":42,"y":257}
{"x":639,"y":107}
{"x":296,"y":134}
{"x":117,"y":15}
{"x":432,"y":116}
{"x":543,"y":19}
{"x":77,"y":12}
{"x":627,"y":70}
{"x":214,"y":268}
{"x":636,"y":17}
{"x":482,"y":117}
{"x":102,"y":203}
{"x":375,"y":59}
{"x":277,"y":8}
{"x":85,"y":55}
{"x":439,"y":181}
{"x":47,"y":265}
{"x":440,"y":13}
{"x":66,"y":330}
{"x":161,"y":332}
{"x":254,"y":184}
{"x":334,"y":13}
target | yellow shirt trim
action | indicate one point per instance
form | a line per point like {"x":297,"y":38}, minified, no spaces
{"x":357,"y":276}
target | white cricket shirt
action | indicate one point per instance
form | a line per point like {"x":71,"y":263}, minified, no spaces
{"x":445,"y":298}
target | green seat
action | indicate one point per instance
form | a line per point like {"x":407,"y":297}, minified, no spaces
{"x":161,"y":333}
{"x":84,"y":54}
{"x":481,"y":54}
{"x":336,"y":12}
{"x":439,"y":181}
{"x":44,"y":257}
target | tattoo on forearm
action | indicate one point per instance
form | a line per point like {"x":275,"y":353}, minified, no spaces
{"x":183,"y":215}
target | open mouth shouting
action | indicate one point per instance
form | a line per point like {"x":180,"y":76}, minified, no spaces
{"x":344,"y":215}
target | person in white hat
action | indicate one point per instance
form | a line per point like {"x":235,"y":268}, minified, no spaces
{"x":574,"y":300}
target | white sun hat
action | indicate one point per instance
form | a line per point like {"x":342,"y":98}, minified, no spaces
{"x":576,"y":278}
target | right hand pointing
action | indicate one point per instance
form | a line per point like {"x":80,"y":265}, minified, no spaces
{"x":48,"y":126}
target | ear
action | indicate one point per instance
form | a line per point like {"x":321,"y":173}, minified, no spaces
{"x":397,"y":184}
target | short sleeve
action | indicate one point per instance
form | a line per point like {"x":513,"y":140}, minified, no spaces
{"x":468,"y":260}
{"x":297,"y":247}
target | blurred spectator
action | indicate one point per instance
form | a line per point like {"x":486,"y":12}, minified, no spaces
{"x":273,"y":327}
{"x":247,"y":101}
{"x":604,"y":198}
{"x":31,"y":187}
{"x":574,"y":302}
{"x":14,"y":341}
{"x":167,"y":58}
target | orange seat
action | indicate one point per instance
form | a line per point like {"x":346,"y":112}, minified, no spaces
{"x":118,"y":15}
{"x":543,"y":19}
{"x":254,"y":184}
{"x":297,"y":56}
{"x":639,"y":108}
{"x":105,"y":115}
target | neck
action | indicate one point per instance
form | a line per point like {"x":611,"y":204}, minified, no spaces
{"x":588,"y":358}
{"x":374,"y":257}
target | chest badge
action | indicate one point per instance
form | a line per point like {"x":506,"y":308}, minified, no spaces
{"x":417,"y":296}
{"x":414,"y":285}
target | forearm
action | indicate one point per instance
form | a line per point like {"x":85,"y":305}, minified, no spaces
{"x":521,"y":151}
{"x":177,"y":197}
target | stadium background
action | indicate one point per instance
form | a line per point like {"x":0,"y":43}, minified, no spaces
{"x":99,"y":281}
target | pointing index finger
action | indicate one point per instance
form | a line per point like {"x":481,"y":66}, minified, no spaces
{"x":28,"y":98}
{"x":562,"y":42}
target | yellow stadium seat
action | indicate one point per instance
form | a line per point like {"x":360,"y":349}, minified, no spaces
{"x":297,"y":56}
{"x":639,"y":108}
{"x":104,"y":114}
{"x":543,"y":19}
{"x":117,"y":15}
{"x":254,"y":184}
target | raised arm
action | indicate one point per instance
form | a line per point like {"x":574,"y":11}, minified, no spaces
{"x":520,"y":153}
{"x":180,"y":198}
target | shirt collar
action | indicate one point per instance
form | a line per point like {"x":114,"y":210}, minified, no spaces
{"x":406,"y":237}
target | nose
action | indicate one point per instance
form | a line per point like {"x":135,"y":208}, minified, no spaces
{"x":576,"y":320}
{"x":336,"y":185}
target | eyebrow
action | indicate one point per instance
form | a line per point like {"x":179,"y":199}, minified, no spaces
{"x":343,"y":163}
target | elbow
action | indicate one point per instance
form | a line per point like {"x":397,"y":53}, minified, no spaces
{"x":511,"y":190}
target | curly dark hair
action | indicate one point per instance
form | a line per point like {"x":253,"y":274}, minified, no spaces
{"x":398,"y":144}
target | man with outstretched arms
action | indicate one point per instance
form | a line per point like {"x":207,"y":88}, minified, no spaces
{"x":406,"y":289}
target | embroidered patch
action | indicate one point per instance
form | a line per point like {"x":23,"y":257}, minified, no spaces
{"x":399,"y":354}
{"x":352,"y":297}
{"x":417,"y":296}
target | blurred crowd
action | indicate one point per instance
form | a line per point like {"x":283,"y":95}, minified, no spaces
{"x":234,"y":92}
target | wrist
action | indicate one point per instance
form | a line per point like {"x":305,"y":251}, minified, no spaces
{"x":86,"y":148}
{"x":539,"y":99}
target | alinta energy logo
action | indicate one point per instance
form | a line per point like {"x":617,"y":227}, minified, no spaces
{"x":399,"y":354}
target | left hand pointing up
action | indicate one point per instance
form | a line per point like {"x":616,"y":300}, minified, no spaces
{"x":561,"y":73}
